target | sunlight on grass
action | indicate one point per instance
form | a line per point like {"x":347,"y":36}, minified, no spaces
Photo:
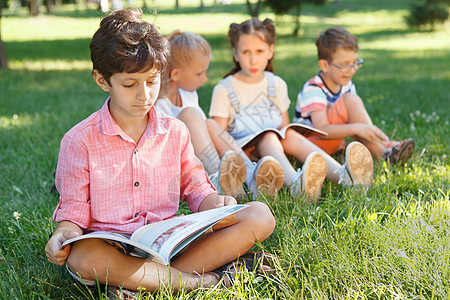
{"x":50,"y":65}
{"x":16,"y":121}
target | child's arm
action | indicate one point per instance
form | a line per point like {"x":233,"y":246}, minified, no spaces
{"x":64,"y":231}
{"x":223,"y":122}
{"x":340,"y":131}
{"x":285,"y":118}
{"x":213,"y":201}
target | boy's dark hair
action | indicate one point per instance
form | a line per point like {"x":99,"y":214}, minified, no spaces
{"x":125,"y":43}
{"x":334,"y":38}
{"x":265,"y":30}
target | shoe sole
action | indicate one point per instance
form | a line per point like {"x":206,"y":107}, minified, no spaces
{"x":359,"y":164}
{"x":314,"y":172}
{"x":406,"y":151}
{"x":270,"y":178}
{"x":232,"y":174}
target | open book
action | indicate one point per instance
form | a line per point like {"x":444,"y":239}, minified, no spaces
{"x":162,"y":241}
{"x":303,"y":129}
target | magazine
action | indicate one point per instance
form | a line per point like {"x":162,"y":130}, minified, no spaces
{"x":162,"y":241}
{"x":303,"y":129}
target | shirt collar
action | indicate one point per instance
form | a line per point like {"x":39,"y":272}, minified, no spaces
{"x":155,"y":125}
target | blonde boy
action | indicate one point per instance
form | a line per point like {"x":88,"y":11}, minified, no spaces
{"x":329,"y":101}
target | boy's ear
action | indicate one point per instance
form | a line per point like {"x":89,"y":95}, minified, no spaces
{"x":101,"y":81}
{"x":323,"y":64}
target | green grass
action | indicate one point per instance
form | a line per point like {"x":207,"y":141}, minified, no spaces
{"x":392,"y":242}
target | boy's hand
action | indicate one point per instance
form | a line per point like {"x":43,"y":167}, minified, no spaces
{"x":213,"y":201}
{"x":371,"y":133}
{"x":55,"y":254}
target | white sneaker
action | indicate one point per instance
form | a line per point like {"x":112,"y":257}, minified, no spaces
{"x":310,"y":178}
{"x":267,"y":177}
{"x":358,"y":166}
{"x":231,"y":175}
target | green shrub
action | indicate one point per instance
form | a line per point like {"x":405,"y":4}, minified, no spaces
{"x":428,"y":12}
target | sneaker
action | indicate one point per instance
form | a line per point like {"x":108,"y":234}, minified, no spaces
{"x":267,"y":177}
{"x":230,"y":176}
{"x":358,"y":166}
{"x":399,"y":153}
{"x":310,"y":178}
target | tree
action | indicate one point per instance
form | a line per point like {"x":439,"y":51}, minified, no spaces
{"x":3,"y":59}
{"x":284,"y":6}
{"x":428,"y":12}
{"x":253,"y":11}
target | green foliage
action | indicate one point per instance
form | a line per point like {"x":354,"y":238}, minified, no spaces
{"x":392,"y":242}
{"x":427,"y":13}
{"x":280,"y":7}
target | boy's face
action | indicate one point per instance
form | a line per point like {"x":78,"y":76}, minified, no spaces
{"x":331,"y":68}
{"x":132,"y":94}
{"x":191,"y":77}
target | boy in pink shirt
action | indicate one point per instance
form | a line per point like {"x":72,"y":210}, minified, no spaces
{"x":127,"y":165}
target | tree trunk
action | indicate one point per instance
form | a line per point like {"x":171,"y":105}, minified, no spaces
{"x":298,"y":11}
{"x":202,"y":5}
{"x":176,"y":4}
{"x":3,"y":59}
{"x":34,"y":7}
{"x":254,"y":12}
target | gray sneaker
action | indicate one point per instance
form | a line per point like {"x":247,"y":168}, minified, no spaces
{"x":358,"y":166}
{"x":310,"y":178}
{"x":267,"y":177}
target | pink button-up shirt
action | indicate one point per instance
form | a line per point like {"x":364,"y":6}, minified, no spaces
{"x":108,"y":182}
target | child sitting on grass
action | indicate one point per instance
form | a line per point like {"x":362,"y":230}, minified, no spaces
{"x":329,"y":102}
{"x":226,"y":163}
{"x":127,"y":165}
{"x":251,"y":99}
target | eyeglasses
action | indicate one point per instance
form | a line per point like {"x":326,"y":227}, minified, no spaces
{"x":348,"y":68}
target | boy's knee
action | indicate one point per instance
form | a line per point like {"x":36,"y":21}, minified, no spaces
{"x":351,"y":99}
{"x":261,"y":215}
{"x":83,"y":259}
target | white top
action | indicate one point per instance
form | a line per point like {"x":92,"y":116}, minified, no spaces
{"x":188,"y":99}
{"x":247,"y":93}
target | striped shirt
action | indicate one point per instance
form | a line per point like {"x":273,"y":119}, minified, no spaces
{"x":315,"y":95}
{"x":108,"y":182}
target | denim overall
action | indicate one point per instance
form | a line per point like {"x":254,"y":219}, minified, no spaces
{"x":260,"y":114}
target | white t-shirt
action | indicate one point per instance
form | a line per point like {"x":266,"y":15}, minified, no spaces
{"x":247,"y":93}
{"x":188,"y":99}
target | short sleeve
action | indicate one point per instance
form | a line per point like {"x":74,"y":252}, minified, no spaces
{"x":220,"y":103}
{"x":282,"y":101}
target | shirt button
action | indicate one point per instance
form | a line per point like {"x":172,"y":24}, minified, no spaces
{"x":135,"y":151}
{"x":136,"y":214}
{"x":136,"y":183}
{"x":148,"y":222}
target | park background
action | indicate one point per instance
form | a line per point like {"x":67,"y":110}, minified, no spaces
{"x":391,"y":242}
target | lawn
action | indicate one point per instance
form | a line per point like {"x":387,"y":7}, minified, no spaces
{"x":391,"y":242}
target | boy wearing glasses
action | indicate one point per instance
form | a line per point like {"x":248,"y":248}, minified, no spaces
{"x":329,"y":101}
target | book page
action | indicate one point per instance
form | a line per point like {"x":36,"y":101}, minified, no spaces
{"x":163,"y":237}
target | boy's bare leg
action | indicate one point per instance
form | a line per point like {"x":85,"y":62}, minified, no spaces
{"x":229,"y":241}
{"x":357,"y":113}
{"x":201,"y":140}
{"x":93,"y":258}
{"x":297,"y":145}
